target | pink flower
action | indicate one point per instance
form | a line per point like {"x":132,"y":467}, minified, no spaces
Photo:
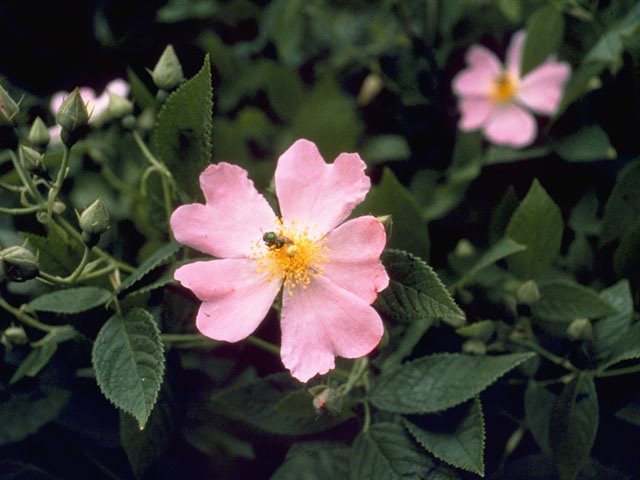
{"x":330,"y":272}
{"x":96,"y":105}
{"x":496,"y":98}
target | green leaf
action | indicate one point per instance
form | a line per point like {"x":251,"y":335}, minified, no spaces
{"x":274,"y":404}
{"x":511,"y":9}
{"x":545,"y":29}
{"x":564,"y":300}
{"x":288,"y":30}
{"x":536,"y":223}
{"x":390,"y":197}
{"x":502,"y":249}
{"x":584,"y":216}
{"x":386,"y":452}
{"x":610,"y":330}
{"x":626,"y":258}
{"x":129,"y":362}
{"x":538,"y":403}
{"x":627,"y":348}
{"x":436,"y":382}
{"x":496,"y":154}
{"x":415,"y":292}
{"x":141,"y":94}
{"x":327,"y":117}
{"x":574,"y":423}
{"x":24,"y":413}
{"x":385,"y":148}
{"x":71,"y":300}
{"x":588,"y":145}
{"x":156,"y":259}
{"x":630,"y":413}
{"x":56,"y":252}
{"x":314,"y":461}
{"x":182,"y":134}
{"x":623,"y":206}
{"x":460,"y":444}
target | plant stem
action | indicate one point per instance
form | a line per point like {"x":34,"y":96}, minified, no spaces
{"x":25,"y":178}
{"x":149,"y":156}
{"x":57,"y":185}
{"x":74,"y":275}
{"x":25,"y":318}
{"x":619,"y":371}
{"x":20,"y":211}
{"x":563,"y":362}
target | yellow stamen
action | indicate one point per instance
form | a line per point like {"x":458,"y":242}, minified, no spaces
{"x":295,"y":263}
{"x":504,"y":88}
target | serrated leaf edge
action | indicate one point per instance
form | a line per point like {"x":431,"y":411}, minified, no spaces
{"x":140,"y":272}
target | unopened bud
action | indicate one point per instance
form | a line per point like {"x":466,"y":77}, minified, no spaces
{"x":119,"y":107}
{"x":59,"y":207}
{"x":521,"y":331}
{"x":72,"y":115}
{"x":482,"y":330}
{"x":474,"y":347}
{"x":371,"y":87}
{"x":326,"y":399}
{"x":32,"y":161}
{"x":15,"y":335}
{"x":167,"y":74}
{"x":580,"y":329}
{"x":39,"y":136}
{"x":387,"y":223}
{"x":8,"y":107}
{"x":464,"y":248}
{"x":19,"y":264}
{"x":94,"y":220}
{"x":528,"y":293}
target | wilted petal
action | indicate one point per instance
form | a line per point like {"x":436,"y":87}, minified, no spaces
{"x":233,"y":219}
{"x":322,"y":322}
{"x":235,"y":296}
{"x":541,"y":90}
{"x":512,"y":126}
{"x":477,"y":79}
{"x":354,"y":257}
{"x":318,"y":194}
{"x":474,"y":112}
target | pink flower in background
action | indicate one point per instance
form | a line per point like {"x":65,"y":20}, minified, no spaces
{"x":96,"y":105}
{"x":497,"y":99}
{"x":330,"y":271}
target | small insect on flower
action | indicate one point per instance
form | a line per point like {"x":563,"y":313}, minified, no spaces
{"x":272,"y":239}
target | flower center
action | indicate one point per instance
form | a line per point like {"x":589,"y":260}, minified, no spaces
{"x":292,"y":253}
{"x":504,"y":88}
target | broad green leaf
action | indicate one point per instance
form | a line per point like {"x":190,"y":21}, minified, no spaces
{"x":385,"y":148}
{"x":156,"y":259}
{"x":24,"y":413}
{"x":159,"y":282}
{"x":415,"y":291}
{"x":288,"y":30}
{"x":496,"y":154}
{"x":314,"y":461}
{"x":511,"y":9}
{"x":327,"y":117}
{"x":443,"y":380}
{"x":545,"y":29}
{"x":574,"y":423}
{"x":284,"y":88}
{"x":627,"y":348}
{"x":584,"y":216}
{"x":502,"y":249}
{"x":460,"y":444}
{"x":610,"y":330}
{"x":623,"y":206}
{"x":141,"y":94}
{"x":71,"y":300}
{"x":57,"y":253}
{"x":538,"y":403}
{"x":536,"y":223}
{"x":275,"y":404}
{"x":182,"y":134}
{"x":386,"y":452}
{"x":564,"y":300}
{"x":129,"y":362}
{"x":403,"y":347}
{"x":588,"y":145}
{"x":502,"y":213}
{"x":390,"y":197}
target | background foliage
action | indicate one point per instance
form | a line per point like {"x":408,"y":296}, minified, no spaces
{"x":512,"y":323}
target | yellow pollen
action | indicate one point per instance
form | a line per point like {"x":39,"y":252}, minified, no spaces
{"x":296,"y":263}
{"x":504,"y":88}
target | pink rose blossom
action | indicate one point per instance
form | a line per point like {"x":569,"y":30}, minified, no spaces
{"x":495,"y":98}
{"x":330,"y":271}
{"x":96,"y":105}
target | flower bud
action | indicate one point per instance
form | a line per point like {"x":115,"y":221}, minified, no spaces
{"x":474,"y":347}
{"x":370,"y":89}
{"x":8,"y":107}
{"x":39,"y":136}
{"x":580,"y":329}
{"x":94,"y":220}
{"x":72,"y":115}
{"x":19,"y":264}
{"x":482,"y":330}
{"x":32,"y":161}
{"x":119,"y":107}
{"x":528,"y":293}
{"x":14,"y":335}
{"x":326,"y":399}
{"x":387,"y":223}
{"x":464,"y":248}
{"x":167,"y":74}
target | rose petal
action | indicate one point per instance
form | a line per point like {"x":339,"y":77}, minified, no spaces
{"x":56,"y":101}
{"x":236,"y":297}
{"x":322,"y":322}
{"x":541,"y":89}
{"x":232,"y":221}
{"x":354,"y":257}
{"x":118,"y":87}
{"x":318,"y":194}
{"x":476,"y":80}
{"x":474,"y":111}
{"x":511,"y":125}
{"x":514,"y":53}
